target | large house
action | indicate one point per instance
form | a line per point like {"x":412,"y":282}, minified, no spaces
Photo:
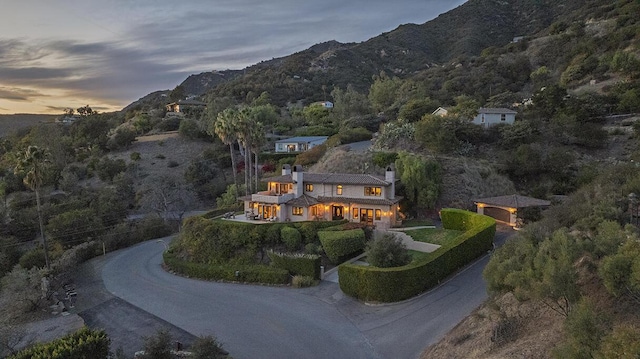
{"x":184,"y":105}
{"x":488,"y":117}
{"x":299,"y":144}
{"x":297,"y":196}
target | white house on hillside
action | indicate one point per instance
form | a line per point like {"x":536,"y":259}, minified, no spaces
{"x":299,"y":144}
{"x":297,"y":196}
{"x":488,"y":117}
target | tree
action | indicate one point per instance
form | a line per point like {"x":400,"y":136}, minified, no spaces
{"x":86,"y":111}
{"x":33,"y":165}
{"x":22,"y":288}
{"x":382,"y":93}
{"x":224,"y":126}
{"x":168,"y":198}
{"x":415,"y":109}
{"x":158,"y":346}
{"x":421,"y":179}
{"x":387,"y":251}
{"x":207,"y":347}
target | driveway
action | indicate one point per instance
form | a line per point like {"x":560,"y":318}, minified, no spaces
{"x":281,"y":322}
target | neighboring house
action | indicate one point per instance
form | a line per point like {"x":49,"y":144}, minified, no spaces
{"x":299,"y":144}
{"x":505,"y":208}
{"x":184,"y":105}
{"x":440,"y":111}
{"x":327,"y":104}
{"x":296,"y":196}
{"x":488,"y":117}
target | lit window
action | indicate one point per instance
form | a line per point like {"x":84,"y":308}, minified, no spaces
{"x":308,"y":187}
{"x":355,"y":213}
{"x":297,"y":211}
{"x":373,"y":191}
{"x":314,"y":211}
{"x":378,"y":214}
{"x":339,"y":190}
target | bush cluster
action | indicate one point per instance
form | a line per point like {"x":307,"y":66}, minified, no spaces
{"x":291,"y":238}
{"x":399,"y":283}
{"x":85,"y":343}
{"x":339,"y":245}
{"x":297,"y":264}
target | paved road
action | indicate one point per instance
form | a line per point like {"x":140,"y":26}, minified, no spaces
{"x":281,"y":322}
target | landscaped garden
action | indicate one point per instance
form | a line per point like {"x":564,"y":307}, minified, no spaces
{"x":270,"y":253}
{"x":475,"y":234}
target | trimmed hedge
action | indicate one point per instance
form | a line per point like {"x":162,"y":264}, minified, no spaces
{"x":245,"y":273}
{"x":340,"y":245}
{"x":297,"y":264}
{"x":85,"y":343}
{"x":399,"y":283}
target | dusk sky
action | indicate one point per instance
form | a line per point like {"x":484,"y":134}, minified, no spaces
{"x":108,"y":53}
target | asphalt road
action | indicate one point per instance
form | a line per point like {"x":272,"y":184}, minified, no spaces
{"x":281,"y":322}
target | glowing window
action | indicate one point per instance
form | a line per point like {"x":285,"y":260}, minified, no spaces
{"x":339,"y":189}
{"x":297,"y":211}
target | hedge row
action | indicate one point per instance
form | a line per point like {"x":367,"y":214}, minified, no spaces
{"x":297,"y":264}
{"x":85,"y":343}
{"x":219,"y":241}
{"x":399,"y":283}
{"x":228,"y":272}
{"x":339,"y":245}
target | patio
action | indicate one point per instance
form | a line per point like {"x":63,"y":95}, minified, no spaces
{"x":246,"y":219}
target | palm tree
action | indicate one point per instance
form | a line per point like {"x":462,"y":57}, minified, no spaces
{"x":257,"y":140}
{"x":245,"y":126}
{"x":224,"y":127}
{"x":33,"y":165}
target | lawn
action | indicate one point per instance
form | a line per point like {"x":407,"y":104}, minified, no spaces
{"x":417,"y":222}
{"x":433,"y":235}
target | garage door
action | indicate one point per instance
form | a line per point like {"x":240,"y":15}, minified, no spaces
{"x":498,"y":213}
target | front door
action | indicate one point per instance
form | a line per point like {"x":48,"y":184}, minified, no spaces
{"x":337,"y":213}
{"x":366,"y":216}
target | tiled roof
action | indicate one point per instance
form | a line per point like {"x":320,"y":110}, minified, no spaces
{"x":495,"y":110}
{"x":372,"y":200}
{"x":513,"y":201}
{"x":278,"y":179}
{"x":345,"y":178}
{"x":333,"y":178}
{"x":303,"y":139}
{"x":303,"y":201}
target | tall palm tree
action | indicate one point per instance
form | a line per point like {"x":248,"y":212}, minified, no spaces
{"x":33,"y":164}
{"x":224,"y":127}
{"x":244,"y":126}
{"x":257,"y":141}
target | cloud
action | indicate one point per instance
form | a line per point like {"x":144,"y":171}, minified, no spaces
{"x":17,"y":94}
{"x":155,"y":45}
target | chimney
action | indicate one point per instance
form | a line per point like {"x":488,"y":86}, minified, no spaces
{"x":298,"y":185}
{"x":286,"y":169}
{"x":390,"y":176}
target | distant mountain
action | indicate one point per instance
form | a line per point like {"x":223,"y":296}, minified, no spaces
{"x":463,"y":31}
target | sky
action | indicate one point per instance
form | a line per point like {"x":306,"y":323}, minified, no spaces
{"x":108,"y":53}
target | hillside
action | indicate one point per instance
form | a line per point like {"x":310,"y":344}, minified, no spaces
{"x":410,"y":48}
{"x":12,"y":123}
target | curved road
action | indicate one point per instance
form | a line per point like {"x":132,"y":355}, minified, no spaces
{"x":281,"y":322}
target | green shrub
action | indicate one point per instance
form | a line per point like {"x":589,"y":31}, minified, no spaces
{"x":227,"y":272}
{"x":291,"y":238}
{"x":387,"y":251}
{"x":340,"y":245}
{"x":399,"y":283}
{"x":311,"y":156}
{"x":300,"y":281}
{"x":312,"y":248}
{"x":85,"y":343}
{"x":33,"y":258}
{"x":297,"y":264}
